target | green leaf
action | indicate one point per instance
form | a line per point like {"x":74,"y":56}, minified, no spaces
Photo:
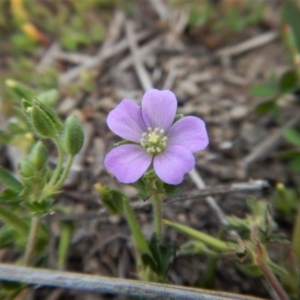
{"x":6,"y":237}
{"x":162,"y":257}
{"x":292,"y":136}
{"x":11,"y":197}
{"x":111,"y":199}
{"x":291,"y":16}
{"x":148,"y":261}
{"x":143,"y":187}
{"x":289,"y":154}
{"x":265,"y":107}
{"x":10,"y":181}
{"x":263,"y":91}
{"x":14,"y":220}
{"x":171,"y":190}
{"x":288,"y":82}
{"x":285,"y":199}
{"x":250,"y":270}
{"x":295,"y":164}
{"x":277,"y":269}
{"x":40,"y":208}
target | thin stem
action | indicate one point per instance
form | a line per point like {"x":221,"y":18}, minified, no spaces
{"x":65,"y":173}
{"x":157,"y":216}
{"x":296,"y":236}
{"x":31,"y":240}
{"x":60,"y":160}
{"x":274,"y":282}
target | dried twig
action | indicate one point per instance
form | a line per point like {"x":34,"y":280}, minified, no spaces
{"x":101,"y":284}
{"x":73,"y":57}
{"x":112,"y":35}
{"x":253,"y":43}
{"x":48,"y":57}
{"x":143,"y":76}
{"x":171,"y":77}
{"x":161,"y":9}
{"x":143,"y":52}
{"x":209,"y":200}
{"x":263,"y":149}
{"x":243,"y":187}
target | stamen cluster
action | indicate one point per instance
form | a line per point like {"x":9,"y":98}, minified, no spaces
{"x":154,"y":140}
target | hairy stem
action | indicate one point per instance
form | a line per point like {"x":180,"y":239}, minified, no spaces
{"x":65,"y":173}
{"x":31,"y":240}
{"x":60,"y":161}
{"x":157,"y":216}
{"x":274,"y":282}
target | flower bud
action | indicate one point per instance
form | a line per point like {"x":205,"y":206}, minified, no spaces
{"x":38,"y":156}
{"x":21,"y":90}
{"x":51,"y":114}
{"x":43,"y":119}
{"x":72,"y":135}
{"x":41,"y":123}
{"x":49,"y":97}
{"x":26,"y":170}
{"x":177,"y":118}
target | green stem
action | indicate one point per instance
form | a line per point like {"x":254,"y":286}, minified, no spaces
{"x":60,"y":161}
{"x":274,"y":282}
{"x":135,"y":228}
{"x":64,"y":242}
{"x":31,"y":240}
{"x":157,"y":216}
{"x":199,"y":236}
{"x":296,"y":237}
{"x":65,"y":173}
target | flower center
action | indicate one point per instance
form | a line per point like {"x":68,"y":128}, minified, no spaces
{"x":154,"y":140}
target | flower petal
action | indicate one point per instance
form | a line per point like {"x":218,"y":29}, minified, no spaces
{"x":126,"y":121}
{"x":159,"y":108}
{"x":188,"y":132}
{"x":173,"y":163}
{"x":128,"y":162}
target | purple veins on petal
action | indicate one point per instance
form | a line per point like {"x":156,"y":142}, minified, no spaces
{"x":171,"y":165}
{"x":126,"y":121}
{"x":159,"y":108}
{"x":189,"y":132}
{"x":128,"y":162}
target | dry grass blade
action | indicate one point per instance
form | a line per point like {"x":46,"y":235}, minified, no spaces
{"x":137,"y":62}
{"x":253,"y":43}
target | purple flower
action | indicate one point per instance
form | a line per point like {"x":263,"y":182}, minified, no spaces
{"x":154,"y":139}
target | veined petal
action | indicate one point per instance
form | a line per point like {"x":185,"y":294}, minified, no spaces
{"x":126,"y":121}
{"x":173,"y":163}
{"x":159,"y":108}
{"x":188,"y":132}
{"x":128,"y":162}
